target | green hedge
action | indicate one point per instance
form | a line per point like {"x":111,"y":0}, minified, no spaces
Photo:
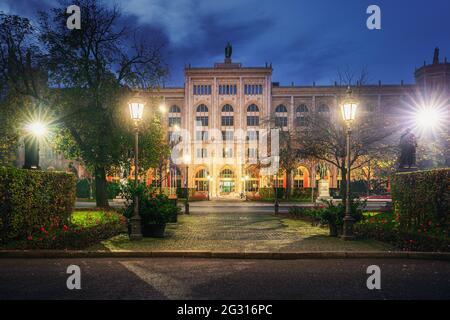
{"x":421,"y":198}
{"x":30,"y":199}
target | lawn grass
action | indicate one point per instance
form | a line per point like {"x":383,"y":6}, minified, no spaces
{"x":89,"y":218}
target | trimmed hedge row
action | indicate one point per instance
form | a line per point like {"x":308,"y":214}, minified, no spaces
{"x":421,"y":198}
{"x":30,"y":199}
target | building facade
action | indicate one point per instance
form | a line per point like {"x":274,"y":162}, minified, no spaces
{"x":223,"y":112}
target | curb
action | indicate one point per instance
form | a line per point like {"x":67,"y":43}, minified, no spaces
{"x":54,"y":254}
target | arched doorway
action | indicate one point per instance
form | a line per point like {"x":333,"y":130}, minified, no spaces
{"x":301,"y":178}
{"x":201,"y":180}
{"x":227,"y":182}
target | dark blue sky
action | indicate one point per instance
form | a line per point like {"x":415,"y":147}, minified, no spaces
{"x":306,"y":40}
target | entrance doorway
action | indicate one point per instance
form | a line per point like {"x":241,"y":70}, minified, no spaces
{"x":226,"y":183}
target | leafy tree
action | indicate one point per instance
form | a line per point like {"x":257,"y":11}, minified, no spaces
{"x":93,"y":68}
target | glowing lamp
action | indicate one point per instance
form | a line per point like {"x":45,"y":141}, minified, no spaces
{"x":136,"y":110}
{"x":348,"y":107}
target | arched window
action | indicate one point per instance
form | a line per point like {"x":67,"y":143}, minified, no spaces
{"x":301,"y":178}
{"x":253,"y":108}
{"x":174,"y":116}
{"x":252,"y":115}
{"x":202,"y":108}
{"x":323,"y":108}
{"x":302,"y":108}
{"x":302,"y":121}
{"x":281,"y":108}
{"x":281,"y":116}
{"x":226,"y":173}
{"x":175,"y":109}
{"x":201,"y":119}
{"x":227,"y":108}
{"x":201,"y":180}
{"x":227,"y":119}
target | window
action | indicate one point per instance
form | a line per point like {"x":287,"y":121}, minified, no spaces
{"x":201,"y":180}
{"x":227,"y":119}
{"x":201,"y":90}
{"x":226,"y":173}
{"x":281,"y":121}
{"x":253,"y":89}
{"x":174,"y":121}
{"x":323,"y":108}
{"x":302,"y":108}
{"x":227,"y":135}
{"x":253,"y":108}
{"x":202,"y":153}
{"x":174,"y":109}
{"x":281,"y":108}
{"x":302,"y":121}
{"x":174,"y":136}
{"x":252,"y":121}
{"x":227,"y":152}
{"x":252,"y":115}
{"x":201,"y":135}
{"x":253,"y":135}
{"x":228,"y":89}
{"x":201,"y":119}
{"x":202,"y":108}
{"x":252,"y":153}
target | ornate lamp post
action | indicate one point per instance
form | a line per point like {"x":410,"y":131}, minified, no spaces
{"x":275,"y":177}
{"x":209,"y":185}
{"x":36,"y":130}
{"x":187,"y":160}
{"x":136,"y":111}
{"x":348,"y":110}
{"x":246,"y":178}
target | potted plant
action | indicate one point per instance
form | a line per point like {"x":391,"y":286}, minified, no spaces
{"x":156,"y":212}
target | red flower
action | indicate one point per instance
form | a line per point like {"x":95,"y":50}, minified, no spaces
{"x":30,"y":237}
{"x":40,"y":239}
{"x":54,"y":238}
{"x":42,"y":229}
{"x":65,"y":228}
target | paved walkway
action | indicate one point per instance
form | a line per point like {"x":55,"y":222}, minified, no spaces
{"x":242,"y":232}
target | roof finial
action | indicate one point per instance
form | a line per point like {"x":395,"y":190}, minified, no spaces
{"x":436,"y":56}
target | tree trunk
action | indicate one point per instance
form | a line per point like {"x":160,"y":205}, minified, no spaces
{"x":288,"y":184}
{"x":101,"y":195}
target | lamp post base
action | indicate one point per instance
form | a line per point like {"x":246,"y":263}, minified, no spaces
{"x":277,"y":206}
{"x":136,"y":233}
{"x":186,"y":207}
{"x":347,"y":232}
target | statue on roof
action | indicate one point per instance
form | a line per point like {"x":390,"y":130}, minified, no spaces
{"x":436,"y":56}
{"x":228,"y":51}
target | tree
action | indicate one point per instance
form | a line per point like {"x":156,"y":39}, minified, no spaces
{"x":94,"y":67}
{"x":22,"y":84}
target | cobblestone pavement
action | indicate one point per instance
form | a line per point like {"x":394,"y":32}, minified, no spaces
{"x":242,"y":232}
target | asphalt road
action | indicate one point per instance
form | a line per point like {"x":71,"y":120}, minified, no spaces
{"x":178,"y":278}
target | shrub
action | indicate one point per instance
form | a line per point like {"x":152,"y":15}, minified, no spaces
{"x":421,"y":196}
{"x":83,"y":230}
{"x":32,"y":198}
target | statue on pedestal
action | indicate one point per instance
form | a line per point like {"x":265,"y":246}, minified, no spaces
{"x":324,"y":187}
{"x":408,"y":145}
{"x":228,"y":51}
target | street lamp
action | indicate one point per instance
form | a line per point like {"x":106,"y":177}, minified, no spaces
{"x":209,"y":186}
{"x":36,"y":130}
{"x":187,"y":160}
{"x":245,"y":186}
{"x":275,"y":177}
{"x":136,"y":111}
{"x":348,"y":110}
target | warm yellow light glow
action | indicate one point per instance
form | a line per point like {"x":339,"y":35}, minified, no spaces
{"x":348,"y":107}
{"x":37,"y":129}
{"x":176,"y":128}
{"x":162,"y":108}
{"x":136,"y":110}
{"x":246,"y":177}
{"x":187,"y":159}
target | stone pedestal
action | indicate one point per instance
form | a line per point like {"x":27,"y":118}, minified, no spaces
{"x":324,"y":191}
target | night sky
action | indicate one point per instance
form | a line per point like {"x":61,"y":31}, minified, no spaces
{"x":306,"y":40}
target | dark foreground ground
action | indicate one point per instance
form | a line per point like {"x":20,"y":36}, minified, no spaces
{"x":183,"y":278}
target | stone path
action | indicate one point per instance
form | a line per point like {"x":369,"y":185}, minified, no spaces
{"x":242,"y":232}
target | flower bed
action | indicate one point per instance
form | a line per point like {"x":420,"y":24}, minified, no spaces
{"x":84,"y":229}
{"x":429,"y":236}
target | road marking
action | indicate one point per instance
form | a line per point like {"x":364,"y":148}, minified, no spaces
{"x":167,"y":286}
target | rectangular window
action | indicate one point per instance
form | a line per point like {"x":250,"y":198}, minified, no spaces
{"x":201,"y":121}
{"x":174,"y":121}
{"x":227,"y":121}
{"x":252,"y":153}
{"x":281,"y":121}
{"x":253,"y":135}
{"x":202,"y":153}
{"x":252,"y":120}
{"x":298,"y":184}
{"x":227,"y":152}
{"x":201,"y":135}
{"x":227,"y":135}
{"x":227,"y":89}
{"x":200,"y":90}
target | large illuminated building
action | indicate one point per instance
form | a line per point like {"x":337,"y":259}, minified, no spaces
{"x":236,"y":102}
